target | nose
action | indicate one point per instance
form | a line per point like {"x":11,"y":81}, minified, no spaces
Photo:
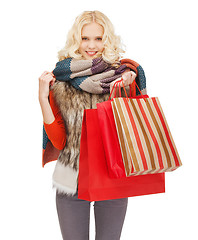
{"x":91,"y":44}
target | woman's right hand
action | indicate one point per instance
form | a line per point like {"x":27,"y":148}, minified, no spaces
{"x":46,"y":80}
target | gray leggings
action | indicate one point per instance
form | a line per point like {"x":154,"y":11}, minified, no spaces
{"x":74,"y":216}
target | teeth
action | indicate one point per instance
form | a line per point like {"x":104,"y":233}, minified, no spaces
{"x":91,"y":52}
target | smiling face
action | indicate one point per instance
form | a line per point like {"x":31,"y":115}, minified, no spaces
{"x":91,"y":45}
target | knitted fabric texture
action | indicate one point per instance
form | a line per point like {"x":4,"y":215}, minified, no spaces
{"x":93,"y":76}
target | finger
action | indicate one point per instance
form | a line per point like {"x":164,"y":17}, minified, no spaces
{"x":52,"y":74}
{"x":49,"y":78}
{"x":44,"y":74}
{"x":124,"y":77}
{"x":46,"y":79}
{"x":133,"y":75}
{"x":114,"y":82}
{"x":52,"y":82}
{"x":49,"y":74}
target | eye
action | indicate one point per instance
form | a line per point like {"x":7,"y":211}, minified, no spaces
{"x":84,"y":38}
{"x":99,"y":39}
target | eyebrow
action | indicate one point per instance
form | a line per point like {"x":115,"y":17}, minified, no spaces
{"x":96,"y":36}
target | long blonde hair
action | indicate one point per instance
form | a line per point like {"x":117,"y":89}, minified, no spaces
{"x":112,"y":43}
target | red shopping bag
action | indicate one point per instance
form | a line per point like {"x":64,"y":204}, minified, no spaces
{"x":110,"y":140}
{"x":94,"y":183}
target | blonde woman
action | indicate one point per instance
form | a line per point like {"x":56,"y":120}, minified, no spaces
{"x":88,"y":66}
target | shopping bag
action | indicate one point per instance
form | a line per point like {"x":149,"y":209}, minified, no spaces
{"x":145,"y":139}
{"x":113,"y":155}
{"x":94,"y":183}
{"x":110,"y":140}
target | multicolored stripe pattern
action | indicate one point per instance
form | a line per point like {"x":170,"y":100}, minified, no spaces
{"x":93,"y":76}
{"x":145,"y":139}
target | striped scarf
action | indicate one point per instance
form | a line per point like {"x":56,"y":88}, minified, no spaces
{"x":93,"y":76}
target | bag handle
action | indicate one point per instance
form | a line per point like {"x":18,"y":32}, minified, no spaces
{"x":117,"y":84}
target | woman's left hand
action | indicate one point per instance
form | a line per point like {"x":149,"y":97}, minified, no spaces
{"x":128,"y":78}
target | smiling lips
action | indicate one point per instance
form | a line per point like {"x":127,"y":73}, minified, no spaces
{"x":91,"y":53}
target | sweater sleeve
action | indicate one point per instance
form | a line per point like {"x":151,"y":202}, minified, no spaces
{"x":56,"y":130}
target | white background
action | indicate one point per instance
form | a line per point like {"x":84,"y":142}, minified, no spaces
{"x":162,"y":37}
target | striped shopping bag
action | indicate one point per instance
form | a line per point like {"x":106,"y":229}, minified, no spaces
{"x":145,"y":139}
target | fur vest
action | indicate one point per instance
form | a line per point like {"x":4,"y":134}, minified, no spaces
{"x":71,"y":103}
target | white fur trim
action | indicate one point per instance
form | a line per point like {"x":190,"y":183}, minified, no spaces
{"x":63,"y":189}
{"x":65,"y":179}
